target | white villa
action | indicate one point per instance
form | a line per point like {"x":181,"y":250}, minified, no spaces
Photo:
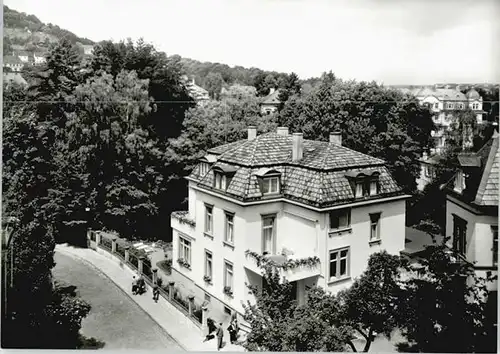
{"x":270,"y":103}
{"x":279,"y":194}
{"x":444,"y":103}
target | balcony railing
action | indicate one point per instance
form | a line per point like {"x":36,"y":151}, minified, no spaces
{"x":180,"y":221}
{"x":293,"y":268}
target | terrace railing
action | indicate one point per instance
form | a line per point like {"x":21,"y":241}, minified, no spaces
{"x":122,"y":249}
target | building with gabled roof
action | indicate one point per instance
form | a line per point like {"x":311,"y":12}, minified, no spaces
{"x":13,"y":63}
{"x":270,"y":103}
{"x":284,"y":198}
{"x":472,"y":209}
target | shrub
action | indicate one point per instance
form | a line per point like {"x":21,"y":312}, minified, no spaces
{"x":159,"y":281}
{"x":166,"y":266}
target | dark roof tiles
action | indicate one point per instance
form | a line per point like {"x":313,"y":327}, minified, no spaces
{"x":318,"y":179}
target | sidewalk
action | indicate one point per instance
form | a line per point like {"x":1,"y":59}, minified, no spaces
{"x":179,"y":327}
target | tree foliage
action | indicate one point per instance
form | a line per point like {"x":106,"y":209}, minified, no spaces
{"x":374,"y":120}
{"x":370,"y":305}
{"x":216,"y":123}
{"x":324,"y":322}
{"x":445,"y":310}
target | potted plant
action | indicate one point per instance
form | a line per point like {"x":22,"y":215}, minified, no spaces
{"x":228,"y":291}
{"x":182,"y":262}
{"x":207,"y":279}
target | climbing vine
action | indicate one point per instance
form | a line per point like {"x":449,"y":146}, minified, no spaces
{"x":262,"y":261}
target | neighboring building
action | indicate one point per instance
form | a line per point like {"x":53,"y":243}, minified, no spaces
{"x":472,"y":209}
{"x":198,"y":93}
{"x":87,"y":49}
{"x":24,"y":57}
{"x":271,"y":102}
{"x":278,"y":194}
{"x":14,"y":77}
{"x":39,"y":58}
{"x":443,"y":103}
{"x":428,"y":170}
{"x":13,"y":63}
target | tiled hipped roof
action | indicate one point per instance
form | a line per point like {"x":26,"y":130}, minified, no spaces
{"x":318,"y":179}
{"x":487,"y":193}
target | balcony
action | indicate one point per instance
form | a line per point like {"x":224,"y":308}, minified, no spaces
{"x":293,"y":268}
{"x":180,"y":221}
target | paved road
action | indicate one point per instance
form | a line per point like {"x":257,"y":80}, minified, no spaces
{"x":114,"y":318}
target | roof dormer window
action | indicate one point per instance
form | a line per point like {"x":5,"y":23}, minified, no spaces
{"x":204,"y":167}
{"x":223,"y":175}
{"x":365,"y":183}
{"x":270,"y":185}
{"x":269,"y":181}
{"x":205,"y":163}
{"x":220,"y":181}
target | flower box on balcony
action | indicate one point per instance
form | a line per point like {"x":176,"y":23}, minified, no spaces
{"x":183,"y":218}
{"x":182,"y":262}
{"x":228,"y":291}
{"x":207,"y":279}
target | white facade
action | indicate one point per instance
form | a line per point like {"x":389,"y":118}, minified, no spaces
{"x":442,"y":103}
{"x":23,"y":57}
{"x":297,"y":228}
{"x":39,"y":59}
{"x":480,"y":233}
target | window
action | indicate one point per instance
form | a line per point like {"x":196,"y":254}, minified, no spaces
{"x":460,"y":106}
{"x":228,"y":275}
{"x":229,"y":234}
{"x":449,"y":106}
{"x":185,"y":249}
{"x":339,"y":264}
{"x":366,"y":188}
{"x":340,"y":219}
{"x":475,"y":106}
{"x":270,"y":185}
{"x":220,"y":181}
{"x":209,"y":219}
{"x":207,"y":297}
{"x":208,"y":264}
{"x":268,"y":230}
{"x":204,"y":168}
{"x":426,"y":170}
{"x":494,"y":231}
{"x":459,"y":234}
{"x":374,"y":227}
{"x":359,"y":190}
{"x":436,"y":105}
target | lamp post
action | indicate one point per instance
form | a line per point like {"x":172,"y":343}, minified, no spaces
{"x":7,"y":239}
{"x":87,"y":229}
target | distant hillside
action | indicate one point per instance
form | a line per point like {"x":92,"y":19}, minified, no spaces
{"x":204,"y":73}
{"x":23,"y":32}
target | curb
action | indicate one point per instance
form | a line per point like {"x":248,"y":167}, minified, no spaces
{"x":83,"y":260}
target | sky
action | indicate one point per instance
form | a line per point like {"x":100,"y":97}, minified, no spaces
{"x":395,"y":42}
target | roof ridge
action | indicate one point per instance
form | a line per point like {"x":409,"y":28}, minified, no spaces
{"x":252,"y":158}
{"x":487,"y":171}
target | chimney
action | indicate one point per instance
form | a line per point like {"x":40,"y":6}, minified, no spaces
{"x":282,"y":131}
{"x":271,"y":90}
{"x":297,"y":146}
{"x":336,"y":137}
{"x":252,"y":132}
